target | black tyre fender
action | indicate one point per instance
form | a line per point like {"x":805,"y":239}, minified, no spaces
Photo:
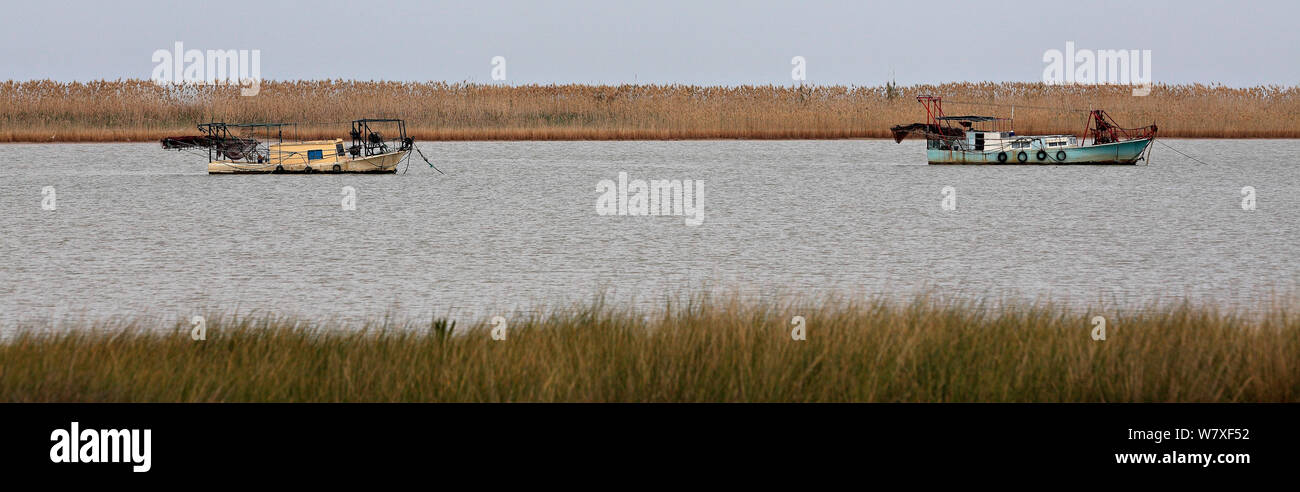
{"x":1060,"y":155}
{"x":1022,"y":156}
{"x":1002,"y":157}
{"x":1042,"y":155}
{"x":279,"y":168}
{"x":338,"y":168}
{"x":307,"y":169}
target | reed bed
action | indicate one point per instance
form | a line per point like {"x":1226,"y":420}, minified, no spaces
{"x":924,"y":350}
{"x":139,"y":110}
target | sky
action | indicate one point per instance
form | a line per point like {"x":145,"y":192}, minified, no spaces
{"x":690,"y":42}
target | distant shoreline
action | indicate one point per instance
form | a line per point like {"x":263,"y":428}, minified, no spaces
{"x":141,"y":111}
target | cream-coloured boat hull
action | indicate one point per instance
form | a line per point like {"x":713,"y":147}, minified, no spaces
{"x":294,"y":158}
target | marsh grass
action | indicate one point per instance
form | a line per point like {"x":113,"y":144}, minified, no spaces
{"x":139,"y":110}
{"x":926,"y":350}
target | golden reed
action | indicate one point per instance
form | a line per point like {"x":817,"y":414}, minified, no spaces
{"x":139,"y":110}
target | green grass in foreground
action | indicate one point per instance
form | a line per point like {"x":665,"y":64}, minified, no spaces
{"x":702,"y":351}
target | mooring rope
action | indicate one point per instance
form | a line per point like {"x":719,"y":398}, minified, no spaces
{"x":426,"y":159}
{"x":1181,"y":152}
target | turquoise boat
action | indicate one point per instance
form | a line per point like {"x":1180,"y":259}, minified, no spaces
{"x":992,"y":140}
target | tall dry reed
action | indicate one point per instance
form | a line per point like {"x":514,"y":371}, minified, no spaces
{"x":138,"y":110}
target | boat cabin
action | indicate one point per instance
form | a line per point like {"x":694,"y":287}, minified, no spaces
{"x":314,"y":153}
{"x":1007,"y":141}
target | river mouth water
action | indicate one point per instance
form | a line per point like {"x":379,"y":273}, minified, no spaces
{"x":518,"y":225}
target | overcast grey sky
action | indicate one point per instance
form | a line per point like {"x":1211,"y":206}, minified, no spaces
{"x":614,"y":41}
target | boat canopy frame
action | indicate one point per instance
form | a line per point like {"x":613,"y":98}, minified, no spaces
{"x":367,"y":140}
{"x":943,"y":131}
{"x":243,"y":141}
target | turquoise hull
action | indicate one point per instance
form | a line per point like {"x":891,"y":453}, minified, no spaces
{"x":1126,"y":152}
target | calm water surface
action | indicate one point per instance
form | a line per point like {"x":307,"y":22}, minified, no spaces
{"x":513,"y":225}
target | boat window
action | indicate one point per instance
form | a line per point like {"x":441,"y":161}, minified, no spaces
{"x":315,"y":154}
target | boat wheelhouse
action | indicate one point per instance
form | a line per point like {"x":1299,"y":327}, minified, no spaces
{"x":991,"y":140}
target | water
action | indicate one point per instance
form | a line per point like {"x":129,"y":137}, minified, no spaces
{"x":513,"y":226}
